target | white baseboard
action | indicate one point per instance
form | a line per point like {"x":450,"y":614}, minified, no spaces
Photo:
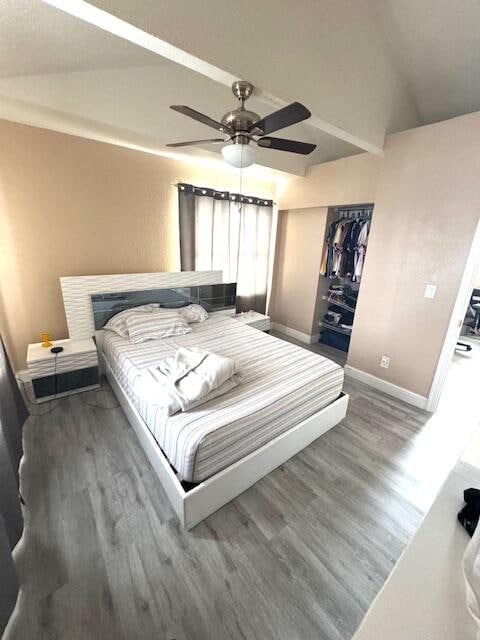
{"x":294,"y":333}
{"x":387,"y":387}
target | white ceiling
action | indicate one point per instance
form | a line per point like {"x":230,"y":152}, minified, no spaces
{"x":437,"y":47}
{"x":363,"y":67}
{"x":36,"y":38}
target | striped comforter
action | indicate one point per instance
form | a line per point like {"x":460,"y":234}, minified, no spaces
{"x":282,"y":385}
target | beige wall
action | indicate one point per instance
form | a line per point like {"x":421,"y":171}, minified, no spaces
{"x":426,"y":191}
{"x":426,"y":211}
{"x":350,"y":180}
{"x":70,"y":206}
{"x":300,"y":238}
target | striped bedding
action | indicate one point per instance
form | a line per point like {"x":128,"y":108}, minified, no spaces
{"x":282,"y":385}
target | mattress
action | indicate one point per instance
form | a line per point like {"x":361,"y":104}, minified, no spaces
{"x":282,"y":385}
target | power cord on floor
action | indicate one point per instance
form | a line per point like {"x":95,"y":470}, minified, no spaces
{"x":101,"y":406}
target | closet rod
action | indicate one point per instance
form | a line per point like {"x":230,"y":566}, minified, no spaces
{"x":354,"y":212}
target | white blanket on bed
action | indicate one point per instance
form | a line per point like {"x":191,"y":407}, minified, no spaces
{"x":189,"y":378}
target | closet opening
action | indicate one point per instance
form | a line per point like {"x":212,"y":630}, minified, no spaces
{"x":345,"y":246}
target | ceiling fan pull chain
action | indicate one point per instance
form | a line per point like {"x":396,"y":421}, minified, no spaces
{"x":240,"y":203}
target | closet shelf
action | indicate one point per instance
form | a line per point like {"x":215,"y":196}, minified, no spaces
{"x":343,"y":305}
{"x":327,"y":325}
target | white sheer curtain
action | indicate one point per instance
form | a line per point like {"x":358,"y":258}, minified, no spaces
{"x":238,"y":242}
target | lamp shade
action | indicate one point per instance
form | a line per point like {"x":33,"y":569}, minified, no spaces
{"x":238,"y":155}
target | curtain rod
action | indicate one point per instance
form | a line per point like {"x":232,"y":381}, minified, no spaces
{"x":223,"y":192}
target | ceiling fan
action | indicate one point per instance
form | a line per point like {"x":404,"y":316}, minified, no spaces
{"x":241,"y":127}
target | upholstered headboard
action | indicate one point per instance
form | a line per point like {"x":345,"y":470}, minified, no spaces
{"x":77,"y":292}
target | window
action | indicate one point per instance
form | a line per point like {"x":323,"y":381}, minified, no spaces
{"x":217,"y":234}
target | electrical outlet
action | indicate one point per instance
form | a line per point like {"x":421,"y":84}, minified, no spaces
{"x":430,"y":291}
{"x":385,"y":362}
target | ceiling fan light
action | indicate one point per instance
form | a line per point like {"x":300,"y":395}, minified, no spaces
{"x":238,"y":155}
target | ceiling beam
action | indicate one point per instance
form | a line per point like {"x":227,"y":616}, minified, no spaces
{"x":122,"y":29}
{"x":22,"y":112}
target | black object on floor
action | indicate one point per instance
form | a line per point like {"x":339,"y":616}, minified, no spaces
{"x":470,"y":514}
{"x":334,"y":339}
{"x":472,"y":497}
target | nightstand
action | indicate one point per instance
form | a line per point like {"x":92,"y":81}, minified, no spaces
{"x":254,"y":319}
{"x":74,"y":369}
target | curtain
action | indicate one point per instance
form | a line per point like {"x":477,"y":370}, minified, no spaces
{"x":231,"y":233}
{"x":12,"y":416}
{"x":13,"y":411}
{"x":8,"y":580}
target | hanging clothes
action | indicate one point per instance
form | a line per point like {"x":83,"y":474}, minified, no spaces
{"x":360,"y":250}
{"x":328,"y":266}
{"x":348,"y":250}
{"x":346,"y":245}
{"x":334,"y":248}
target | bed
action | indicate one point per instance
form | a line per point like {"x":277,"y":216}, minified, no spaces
{"x":282,"y":385}
{"x":207,"y":456}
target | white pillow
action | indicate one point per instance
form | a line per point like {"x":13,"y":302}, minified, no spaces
{"x":153,"y":326}
{"x":117,"y":323}
{"x":193,"y":313}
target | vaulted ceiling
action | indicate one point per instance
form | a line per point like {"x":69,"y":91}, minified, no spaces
{"x":109,"y":69}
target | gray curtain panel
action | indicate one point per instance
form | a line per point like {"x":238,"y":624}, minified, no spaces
{"x":12,"y":416}
{"x":10,"y":508}
{"x":186,"y":212}
{"x":13,"y":411}
{"x":228,"y":232}
{"x":8,"y":579}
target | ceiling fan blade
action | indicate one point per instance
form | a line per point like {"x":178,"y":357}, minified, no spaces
{"x":286,"y":145}
{"x":200,"y":117}
{"x":190,"y":142}
{"x":282,"y":118}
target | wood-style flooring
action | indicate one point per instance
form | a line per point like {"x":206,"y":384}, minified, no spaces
{"x":299,"y":556}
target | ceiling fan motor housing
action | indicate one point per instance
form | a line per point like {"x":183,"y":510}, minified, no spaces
{"x":240,"y":119}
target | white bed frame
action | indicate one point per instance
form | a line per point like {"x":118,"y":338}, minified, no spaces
{"x":195,"y":505}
